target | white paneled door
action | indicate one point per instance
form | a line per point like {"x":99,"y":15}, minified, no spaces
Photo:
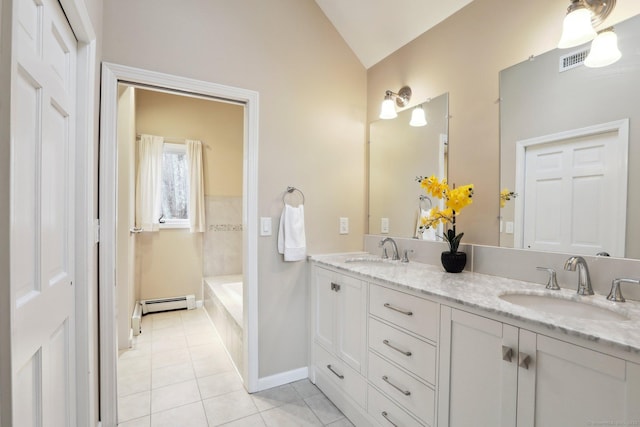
{"x":573,"y":190}
{"x":42,"y":214}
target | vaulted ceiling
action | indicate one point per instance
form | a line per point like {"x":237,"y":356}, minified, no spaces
{"x":376,"y":28}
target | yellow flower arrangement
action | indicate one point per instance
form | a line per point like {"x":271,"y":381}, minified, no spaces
{"x":505,"y":196}
{"x":455,"y":199}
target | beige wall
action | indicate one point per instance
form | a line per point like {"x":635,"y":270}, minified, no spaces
{"x":126,"y":287}
{"x":219,"y":125}
{"x":463,"y":56}
{"x":170,"y":263}
{"x":311,"y":133}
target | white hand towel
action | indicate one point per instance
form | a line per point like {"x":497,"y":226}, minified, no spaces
{"x":427,"y":233}
{"x":291,"y":239}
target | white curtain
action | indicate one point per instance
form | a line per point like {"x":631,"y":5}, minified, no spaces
{"x":196,"y":186}
{"x":148,"y":185}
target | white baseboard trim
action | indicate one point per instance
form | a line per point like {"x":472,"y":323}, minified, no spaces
{"x":199,"y":303}
{"x":282,"y":378}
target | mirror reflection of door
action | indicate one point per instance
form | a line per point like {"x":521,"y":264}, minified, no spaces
{"x":573,"y":193}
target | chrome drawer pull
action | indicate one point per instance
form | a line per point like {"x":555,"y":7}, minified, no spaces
{"x":335,"y":373}
{"x":386,"y":380}
{"x":406,"y":353}
{"x":399,"y":310}
{"x":386,"y":417}
{"x":335,"y":287}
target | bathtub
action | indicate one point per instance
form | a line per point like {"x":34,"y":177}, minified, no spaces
{"x":223,"y":303}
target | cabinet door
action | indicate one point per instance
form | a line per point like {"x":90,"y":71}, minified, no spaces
{"x":351,"y":333}
{"x":477,"y":386}
{"x":569,"y":385}
{"x":324,"y":308}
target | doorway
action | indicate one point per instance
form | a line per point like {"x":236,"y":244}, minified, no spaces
{"x":162,"y":85}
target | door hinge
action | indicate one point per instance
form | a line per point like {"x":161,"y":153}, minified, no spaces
{"x":96,"y":231}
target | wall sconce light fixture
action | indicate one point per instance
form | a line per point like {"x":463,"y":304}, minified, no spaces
{"x":388,"y":109}
{"x":417,"y":117}
{"x":582,"y":17}
{"x":578,"y":28}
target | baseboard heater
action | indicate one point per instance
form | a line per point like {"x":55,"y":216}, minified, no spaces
{"x":136,"y":319}
{"x":166,"y":304}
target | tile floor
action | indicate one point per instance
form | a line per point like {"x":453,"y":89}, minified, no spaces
{"x":178,"y":374}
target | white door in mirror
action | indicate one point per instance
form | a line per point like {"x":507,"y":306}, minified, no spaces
{"x":571,"y":188}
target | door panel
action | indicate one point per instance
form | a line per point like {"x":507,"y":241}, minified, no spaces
{"x":571,"y":186}
{"x":42,"y":220}
{"x":324,"y":333}
{"x":479,"y":385}
{"x":568,"y":385}
{"x":351,"y":333}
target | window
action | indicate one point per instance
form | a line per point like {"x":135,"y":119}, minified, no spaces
{"x":175,"y":187}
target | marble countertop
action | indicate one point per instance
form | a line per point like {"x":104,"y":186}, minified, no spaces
{"x":483,"y":292}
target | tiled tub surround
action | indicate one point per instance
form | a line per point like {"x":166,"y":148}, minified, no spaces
{"x":222,"y":242}
{"x":482,"y":292}
{"x":223,"y":303}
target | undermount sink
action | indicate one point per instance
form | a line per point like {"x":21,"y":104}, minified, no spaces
{"x":371,"y":260}
{"x":563,"y":306}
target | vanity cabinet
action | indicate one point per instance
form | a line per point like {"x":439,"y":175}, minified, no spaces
{"x":387,"y":356}
{"x":493,"y":373}
{"x":339,"y":304}
{"x":403,"y":334}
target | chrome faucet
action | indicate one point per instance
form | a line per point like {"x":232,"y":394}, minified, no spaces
{"x":584,"y":280}
{"x":395,"y":248}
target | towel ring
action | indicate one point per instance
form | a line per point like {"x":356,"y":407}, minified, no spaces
{"x":290,"y":190}
{"x":423,"y":199}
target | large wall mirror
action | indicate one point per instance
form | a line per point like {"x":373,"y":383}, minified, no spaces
{"x":570,"y":149}
{"x":398,"y":153}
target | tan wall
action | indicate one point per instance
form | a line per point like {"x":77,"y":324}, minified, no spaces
{"x":170,"y":262}
{"x":311,"y":134}
{"x":219,"y":125}
{"x":125,"y":241}
{"x":463,"y":56}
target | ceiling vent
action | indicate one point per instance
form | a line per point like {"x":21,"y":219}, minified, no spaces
{"x":573,"y":59}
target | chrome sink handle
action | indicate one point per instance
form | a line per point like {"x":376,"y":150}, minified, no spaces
{"x":584,"y":280}
{"x":405,"y":257}
{"x":552,"y":282}
{"x":615,"y":294}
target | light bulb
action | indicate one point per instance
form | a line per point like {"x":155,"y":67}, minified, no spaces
{"x":604,"y":50}
{"x":388,"y":109}
{"x":576,"y":29}
{"x":417,"y":117}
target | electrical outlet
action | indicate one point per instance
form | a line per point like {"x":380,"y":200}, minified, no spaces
{"x":384,"y":225}
{"x":344,"y":225}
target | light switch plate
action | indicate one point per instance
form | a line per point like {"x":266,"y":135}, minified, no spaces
{"x":384,"y":225}
{"x":509,"y":227}
{"x":344,"y":225}
{"x":265,"y":226}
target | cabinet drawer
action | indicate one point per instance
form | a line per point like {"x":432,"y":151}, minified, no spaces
{"x":402,"y":387}
{"x":345,"y":378}
{"x":387,"y":413}
{"x":407,"y":311}
{"x":407,"y":351}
